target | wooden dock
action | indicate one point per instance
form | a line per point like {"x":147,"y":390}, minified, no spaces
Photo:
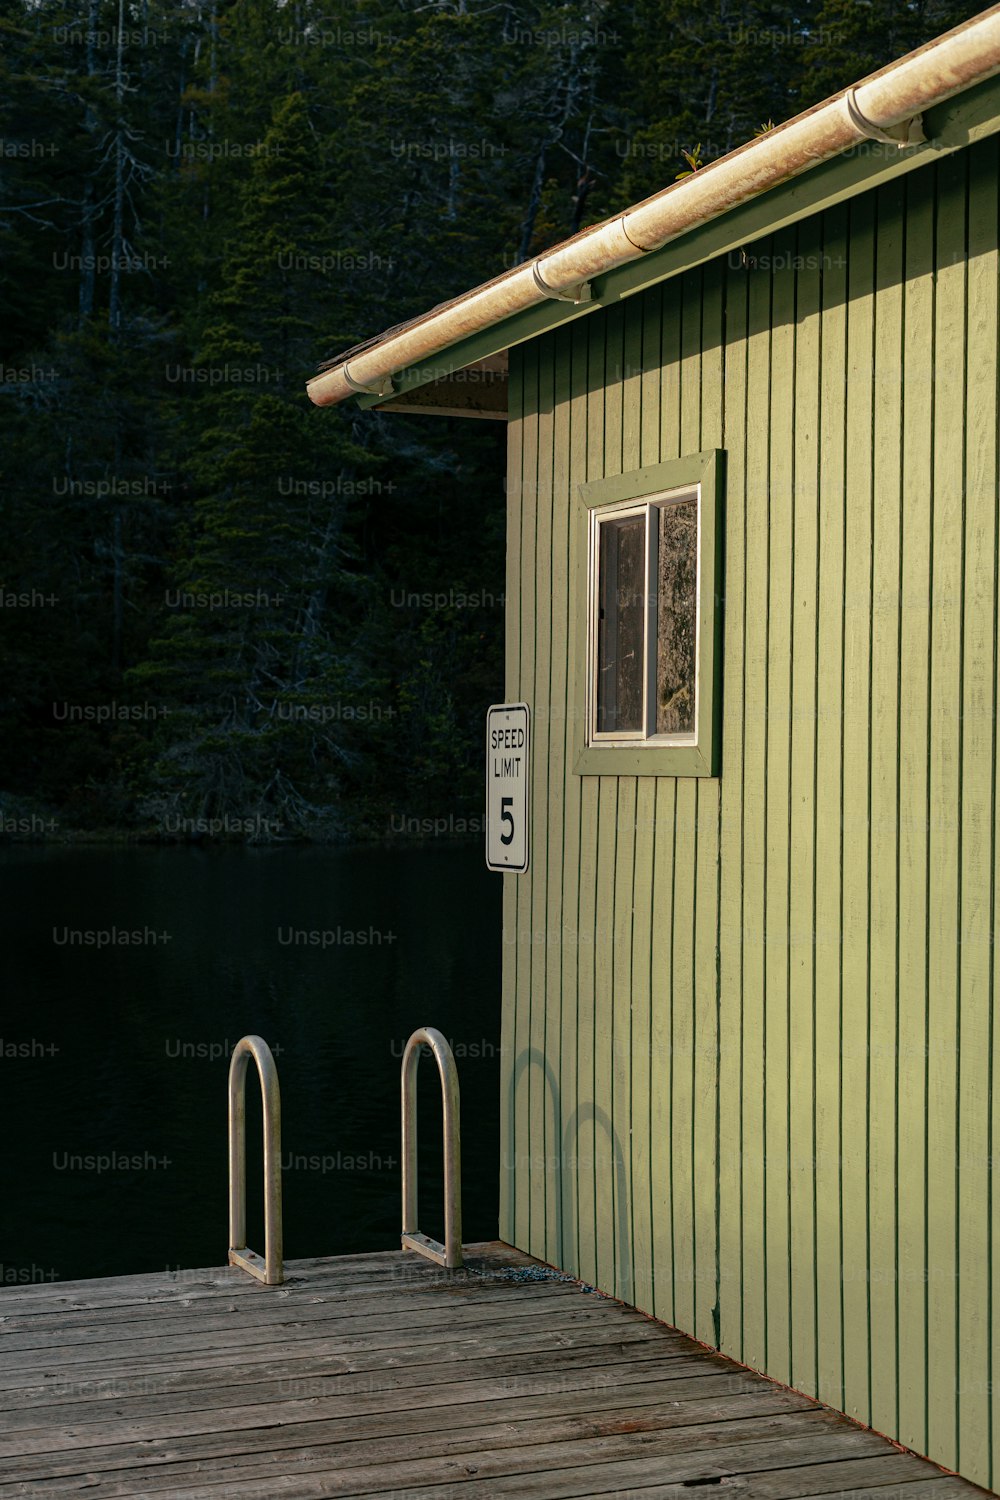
{"x":383,"y":1375}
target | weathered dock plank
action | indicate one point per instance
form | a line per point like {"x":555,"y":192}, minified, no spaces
{"x":382,"y":1375}
{"x":418,"y":1442}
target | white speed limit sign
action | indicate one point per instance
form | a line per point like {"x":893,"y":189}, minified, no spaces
{"x":507,"y":737}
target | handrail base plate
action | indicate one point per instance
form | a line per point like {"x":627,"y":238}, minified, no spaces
{"x":433,"y":1249}
{"x":249,"y":1260}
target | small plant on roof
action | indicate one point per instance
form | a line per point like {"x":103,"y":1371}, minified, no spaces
{"x":764,"y":129}
{"x":694,"y":161}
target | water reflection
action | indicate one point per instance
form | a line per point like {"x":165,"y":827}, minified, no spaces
{"x":130,"y":973}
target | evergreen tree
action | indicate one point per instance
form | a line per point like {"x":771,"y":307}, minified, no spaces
{"x":256,"y":681}
{"x":851,"y":38}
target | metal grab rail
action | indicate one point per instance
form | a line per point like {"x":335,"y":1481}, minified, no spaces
{"x":450,"y":1253}
{"x":269,"y":1269}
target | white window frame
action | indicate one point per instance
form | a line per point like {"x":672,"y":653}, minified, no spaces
{"x":599,"y":516}
{"x":635,"y":753}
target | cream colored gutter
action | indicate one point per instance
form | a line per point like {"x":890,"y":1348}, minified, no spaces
{"x":886,"y":107}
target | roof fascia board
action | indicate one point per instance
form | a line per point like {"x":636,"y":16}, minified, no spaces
{"x":950,"y":126}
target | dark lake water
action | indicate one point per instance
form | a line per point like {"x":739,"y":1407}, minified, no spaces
{"x":114,"y":1060}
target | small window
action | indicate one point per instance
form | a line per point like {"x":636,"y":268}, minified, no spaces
{"x":645,"y":585}
{"x":650,"y":579}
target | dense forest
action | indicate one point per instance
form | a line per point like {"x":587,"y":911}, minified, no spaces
{"x":226,"y":613}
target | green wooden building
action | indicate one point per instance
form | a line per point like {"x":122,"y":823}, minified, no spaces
{"x":749,"y":1022}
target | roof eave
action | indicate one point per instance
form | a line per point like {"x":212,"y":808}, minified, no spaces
{"x":763,"y":186}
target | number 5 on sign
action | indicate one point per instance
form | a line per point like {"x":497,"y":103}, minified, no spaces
{"x":507,"y":748}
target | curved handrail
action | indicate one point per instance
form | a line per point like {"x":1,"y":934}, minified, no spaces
{"x":268,"y":1270}
{"x":450,"y":1253}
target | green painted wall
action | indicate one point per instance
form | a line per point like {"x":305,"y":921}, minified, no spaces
{"x":748,"y":1022}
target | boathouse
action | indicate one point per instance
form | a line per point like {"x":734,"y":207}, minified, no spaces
{"x":750,"y":1039}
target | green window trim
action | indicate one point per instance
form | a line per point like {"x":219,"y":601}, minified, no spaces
{"x":698,"y":755}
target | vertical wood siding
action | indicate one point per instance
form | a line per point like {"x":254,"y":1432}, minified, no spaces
{"x":748,"y":1022}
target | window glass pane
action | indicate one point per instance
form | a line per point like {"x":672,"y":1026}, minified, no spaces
{"x":621,"y":572}
{"x":676,"y":616}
